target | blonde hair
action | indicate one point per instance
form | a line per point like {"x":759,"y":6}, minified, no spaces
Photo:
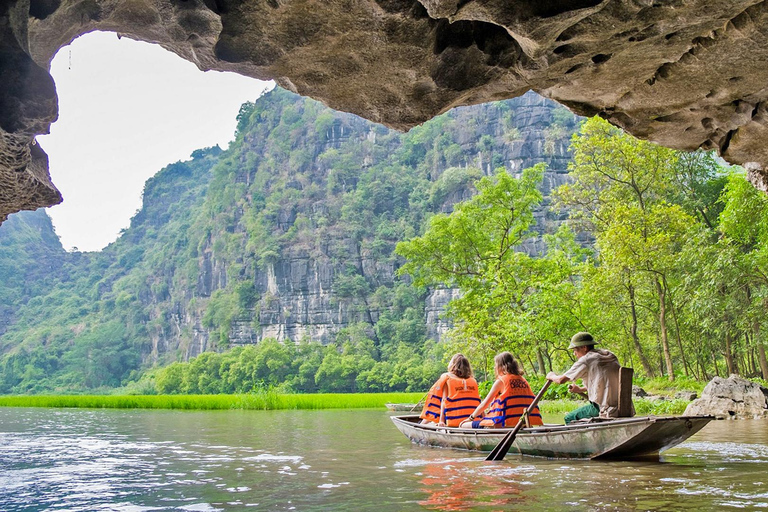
{"x":460,"y":367}
{"x":507,"y":364}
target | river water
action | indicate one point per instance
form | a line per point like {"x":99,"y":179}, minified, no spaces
{"x":137,"y":460}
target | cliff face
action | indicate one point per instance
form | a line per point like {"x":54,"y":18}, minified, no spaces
{"x":290,"y":233}
{"x":298,"y":291}
{"x":32,"y":267}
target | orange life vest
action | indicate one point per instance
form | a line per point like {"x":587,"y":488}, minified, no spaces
{"x":431,"y":410}
{"x":463,"y":398}
{"x":509,"y":405}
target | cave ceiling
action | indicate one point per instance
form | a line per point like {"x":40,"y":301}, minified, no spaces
{"x":687,"y":74}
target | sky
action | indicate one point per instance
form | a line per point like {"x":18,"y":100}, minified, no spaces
{"x":126,"y":110}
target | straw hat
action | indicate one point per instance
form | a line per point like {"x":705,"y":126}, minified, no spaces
{"x":581,"y":339}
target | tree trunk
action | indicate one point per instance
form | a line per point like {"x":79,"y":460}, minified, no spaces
{"x":549,"y":359}
{"x":540,"y":360}
{"x":752,"y":358}
{"x":753,"y":361}
{"x":714,"y":361}
{"x":698,"y":366}
{"x":633,"y":330}
{"x":763,"y":361}
{"x":748,"y":360}
{"x":663,"y":326}
{"x":533,"y":366}
{"x":677,"y":329}
{"x":729,"y":362}
{"x":702,"y":369}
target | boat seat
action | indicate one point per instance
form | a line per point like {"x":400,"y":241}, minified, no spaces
{"x":626,"y":408}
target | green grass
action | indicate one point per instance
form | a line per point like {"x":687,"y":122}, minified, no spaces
{"x":258,"y":401}
{"x":674,"y":407}
{"x":561,"y":406}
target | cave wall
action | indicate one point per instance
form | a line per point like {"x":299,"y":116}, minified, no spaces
{"x":684,"y":73}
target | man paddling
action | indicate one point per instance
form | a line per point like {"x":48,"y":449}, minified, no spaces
{"x":599,"y":370}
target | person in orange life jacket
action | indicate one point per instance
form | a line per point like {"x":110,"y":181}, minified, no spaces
{"x":453,"y":397}
{"x":508,"y":398}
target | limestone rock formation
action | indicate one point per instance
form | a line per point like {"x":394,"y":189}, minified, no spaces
{"x":297,"y":292}
{"x":685,"y":73}
{"x":732,"y":398}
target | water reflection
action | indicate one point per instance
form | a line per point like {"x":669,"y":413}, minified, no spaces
{"x":458,"y":485}
{"x":721,"y":467}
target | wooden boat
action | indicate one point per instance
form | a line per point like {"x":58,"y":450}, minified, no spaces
{"x":615,"y":438}
{"x":404,"y":407}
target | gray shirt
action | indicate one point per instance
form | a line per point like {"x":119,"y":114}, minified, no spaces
{"x":599,"y":369}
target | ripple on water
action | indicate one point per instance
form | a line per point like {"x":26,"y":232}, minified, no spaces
{"x":199,"y":507}
{"x":406,"y":463}
{"x":274,"y":458}
{"x":96,"y":473}
{"x":332,"y":486}
{"x":730,"y":452}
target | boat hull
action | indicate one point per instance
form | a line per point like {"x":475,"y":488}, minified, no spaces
{"x":620,"y":438}
{"x":404,"y":407}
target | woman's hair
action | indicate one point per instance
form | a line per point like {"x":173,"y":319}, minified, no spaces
{"x":506,"y":363}
{"x":460,"y":367}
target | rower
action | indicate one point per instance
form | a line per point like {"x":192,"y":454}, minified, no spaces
{"x":599,"y":369}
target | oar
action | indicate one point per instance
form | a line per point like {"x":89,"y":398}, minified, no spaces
{"x":582,"y":395}
{"x":502,"y":448}
{"x":422,"y":398}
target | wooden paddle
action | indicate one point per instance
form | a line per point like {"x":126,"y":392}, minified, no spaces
{"x":420,"y":400}
{"x":502,"y":448}
{"x":582,"y":395}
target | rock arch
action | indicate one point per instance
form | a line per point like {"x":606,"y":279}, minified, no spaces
{"x":686,"y":74}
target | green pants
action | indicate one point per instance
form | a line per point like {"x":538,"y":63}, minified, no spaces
{"x":590,"y":410}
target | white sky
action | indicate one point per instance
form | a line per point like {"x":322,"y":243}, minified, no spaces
{"x":127,"y":109}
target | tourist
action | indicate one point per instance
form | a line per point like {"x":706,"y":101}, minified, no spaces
{"x":453,"y":397}
{"x":509,"y":397}
{"x":599,"y":370}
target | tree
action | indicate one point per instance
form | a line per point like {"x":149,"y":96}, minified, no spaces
{"x":744,"y":230}
{"x":475,"y":249}
{"x":621,"y":192}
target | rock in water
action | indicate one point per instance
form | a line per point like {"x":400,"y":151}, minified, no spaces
{"x":734,"y":398}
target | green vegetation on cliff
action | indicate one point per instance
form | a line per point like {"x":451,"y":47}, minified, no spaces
{"x":288,"y":234}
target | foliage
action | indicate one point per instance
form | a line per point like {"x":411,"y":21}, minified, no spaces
{"x":353,"y":365}
{"x":646,"y":206}
{"x":663,"y":258}
{"x":676,"y":280}
{"x":663,"y":387}
{"x":474,"y":249}
{"x":300,"y":183}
